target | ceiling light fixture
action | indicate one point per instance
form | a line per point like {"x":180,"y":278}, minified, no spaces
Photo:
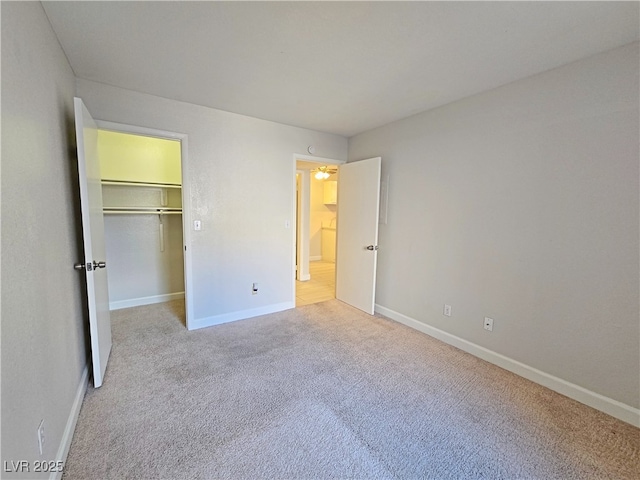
{"x":324,"y":172}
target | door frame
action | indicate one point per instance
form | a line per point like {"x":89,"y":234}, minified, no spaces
{"x":301,"y":236}
{"x":186,"y":196}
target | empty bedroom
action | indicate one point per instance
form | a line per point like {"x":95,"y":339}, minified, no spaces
{"x":344,"y":240}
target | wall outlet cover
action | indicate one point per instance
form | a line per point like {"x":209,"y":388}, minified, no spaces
{"x":488,"y":324}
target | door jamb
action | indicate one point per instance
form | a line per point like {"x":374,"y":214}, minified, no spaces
{"x":186,"y":195}
{"x":301,"y":225}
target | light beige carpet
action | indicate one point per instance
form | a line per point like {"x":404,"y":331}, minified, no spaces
{"x":325,"y":391}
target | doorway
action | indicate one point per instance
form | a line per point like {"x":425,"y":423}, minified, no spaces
{"x":145,"y":225}
{"x":316,"y":222}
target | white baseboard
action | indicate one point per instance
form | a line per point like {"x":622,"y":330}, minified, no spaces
{"x":607,"y":405}
{"x":305,"y":278}
{"x":67,"y":435}
{"x":240,"y":315}
{"x":315,"y":258}
{"x":136,"y":302}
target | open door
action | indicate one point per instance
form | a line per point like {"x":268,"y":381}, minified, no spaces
{"x":357,"y":233}
{"x":94,"y":264}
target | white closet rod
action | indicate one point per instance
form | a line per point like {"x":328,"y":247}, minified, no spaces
{"x":142,"y":212}
{"x":141,"y":208}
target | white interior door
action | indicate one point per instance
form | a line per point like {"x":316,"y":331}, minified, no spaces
{"x":94,"y":263}
{"x":357,"y":233}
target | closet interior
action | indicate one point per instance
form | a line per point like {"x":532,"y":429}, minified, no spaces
{"x":142,"y":205}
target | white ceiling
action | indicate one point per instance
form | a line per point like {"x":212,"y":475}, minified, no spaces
{"x":340,"y":67}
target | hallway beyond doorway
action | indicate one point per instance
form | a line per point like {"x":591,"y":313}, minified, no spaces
{"x":321,"y":287}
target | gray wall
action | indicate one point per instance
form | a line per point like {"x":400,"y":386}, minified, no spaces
{"x":240,"y":174}
{"x":522,"y":204}
{"x":43,"y":336}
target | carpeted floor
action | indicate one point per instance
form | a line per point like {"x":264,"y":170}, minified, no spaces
{"x":325,"y":391}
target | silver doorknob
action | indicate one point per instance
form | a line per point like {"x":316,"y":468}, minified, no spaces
{"x":372,"y":247}
{"x":78,"y":266}
{"x":97,"y":265}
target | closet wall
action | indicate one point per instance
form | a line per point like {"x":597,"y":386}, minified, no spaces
{"x":141,"y":188}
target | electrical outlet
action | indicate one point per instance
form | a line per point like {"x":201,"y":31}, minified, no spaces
{"x":254,"y":289}
{"x":41,"y":436}
{"x":488,"y":324}
{"x":447,"y":310}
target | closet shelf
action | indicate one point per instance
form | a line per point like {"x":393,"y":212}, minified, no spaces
{"x":139,"y":184}
{"x":161,"y":207}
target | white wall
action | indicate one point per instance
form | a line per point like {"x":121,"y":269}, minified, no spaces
{"x":242,"y":189}
{"x":522,"y":204}
{"x":43,"y":324}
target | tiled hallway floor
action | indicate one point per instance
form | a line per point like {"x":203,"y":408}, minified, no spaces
{"x":321,"y":287}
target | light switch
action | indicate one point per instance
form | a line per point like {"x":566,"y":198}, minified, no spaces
{"x":197,"y":225}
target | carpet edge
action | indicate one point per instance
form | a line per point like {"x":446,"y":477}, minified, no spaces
{"x":607,"y":405}
{"x":239,"y":315}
